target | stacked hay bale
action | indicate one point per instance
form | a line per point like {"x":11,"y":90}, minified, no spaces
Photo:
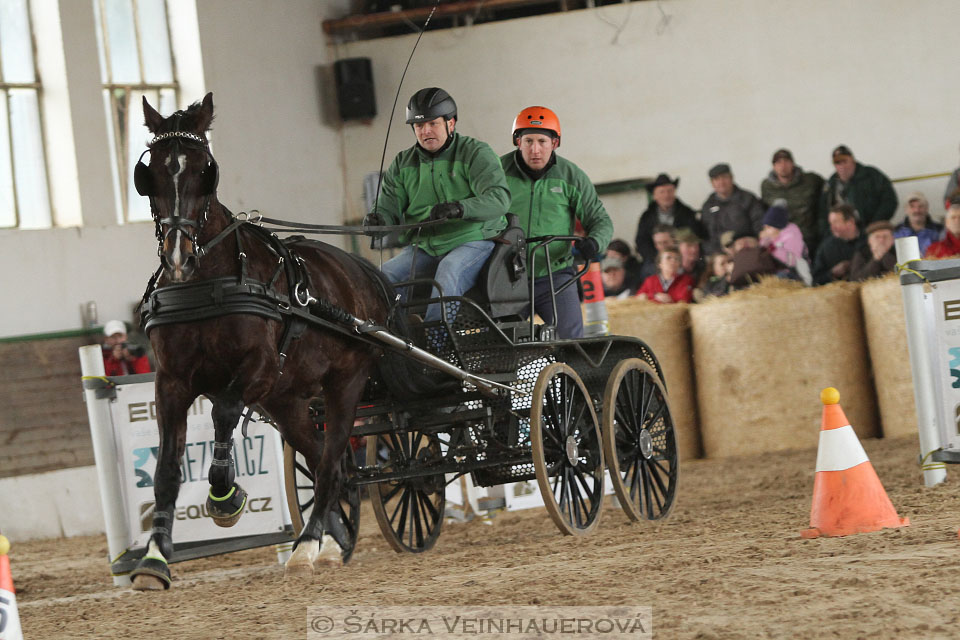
{"x":887,"y":339}
{"x":666,"y":329}
{"x":761,"y":358}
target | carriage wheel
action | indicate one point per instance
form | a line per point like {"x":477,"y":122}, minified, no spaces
{"x":409,"y":511}
{"x":298,"y":481}
{"x":567,"y":451}
{"x":639,"y":441}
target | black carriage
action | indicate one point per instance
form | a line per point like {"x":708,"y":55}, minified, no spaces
{"x":521,"y":405}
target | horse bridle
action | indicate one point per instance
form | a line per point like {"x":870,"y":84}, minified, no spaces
{"x":210,"y":177}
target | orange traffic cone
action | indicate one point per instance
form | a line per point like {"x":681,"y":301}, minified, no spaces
{"x":595,"y":320}
{"x":9,"y":618}
{"x":847,"y":494}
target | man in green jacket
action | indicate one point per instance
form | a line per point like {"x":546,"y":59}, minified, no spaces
{"x":445,"y":176}
{"x":549,"y":194}
{"x":866,"y":188}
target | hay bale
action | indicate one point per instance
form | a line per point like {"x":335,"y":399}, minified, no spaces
{"x":763,"y":355}
{"x":666,"y":329}
{"x":887,"y":341}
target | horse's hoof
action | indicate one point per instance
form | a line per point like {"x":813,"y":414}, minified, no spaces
{"x":226,"y":511}
{"x":302,"y":559}
{"x":144,"y":582}
{"x":152,"y":572}
{"x":331,"y":555}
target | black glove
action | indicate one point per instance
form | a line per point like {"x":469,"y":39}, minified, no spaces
{"x":373,"y":220}
{"x":587,"y":247}
{"x":446,"y":210}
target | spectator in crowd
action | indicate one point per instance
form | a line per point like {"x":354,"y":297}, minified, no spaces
{"x":664,"y":209}
{"x":834,"y":254}
{"x":729,"y":208}
{"x":664,"y":237}
{"x":919,"y":223}
{"x":691,"y":255}
{"x":472,"y":201}
{"x":801,"y":191}
{"x":864,"y":188}
{"x":949,"y":247}
{"x":620,"y":249}
{"x":717,"y":282}
{"x":614,"y":275}
{"x":878,"y":256}
{"x":120,"y":358}
{"x":669,"y":285}
{"x":750,"y":261}
{"x":549,"y":193}
{"x":785,"y":241}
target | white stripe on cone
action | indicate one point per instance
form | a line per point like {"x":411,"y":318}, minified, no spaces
{"x":9,"y":618}
{"x":840,"y":449}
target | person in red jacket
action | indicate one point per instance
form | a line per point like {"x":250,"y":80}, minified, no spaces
{"x":949,"y":247}
{"x":119,"y":357}
{"x":669,"y":285}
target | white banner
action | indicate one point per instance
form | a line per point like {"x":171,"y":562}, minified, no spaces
{"x":943,"y":307}
{"x":257,"y":459}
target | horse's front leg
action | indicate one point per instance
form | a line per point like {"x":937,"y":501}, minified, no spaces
{"x":226,"y":499}
{"x":173,"y":401}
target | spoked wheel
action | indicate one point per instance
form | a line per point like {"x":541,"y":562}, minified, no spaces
{"x":409,"y":511}
{"x":567,"y":451}
{"x":639,"y":441}
{"x":298,"y":480}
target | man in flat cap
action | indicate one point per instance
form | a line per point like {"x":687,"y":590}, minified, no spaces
{"x":665,"y":209}
{"x":878,"y":256}
{"x":801,"y":189}
{"x":729,"y":208}
{"x":864,"y":188}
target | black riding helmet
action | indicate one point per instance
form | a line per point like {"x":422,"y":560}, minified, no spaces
{"x":430,"y":103}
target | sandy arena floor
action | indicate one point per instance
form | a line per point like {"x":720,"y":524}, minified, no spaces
{"x":728,"y":563}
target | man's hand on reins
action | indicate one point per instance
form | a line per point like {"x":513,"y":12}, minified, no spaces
{"x":446,"y":210}
{"x":373,"y":219}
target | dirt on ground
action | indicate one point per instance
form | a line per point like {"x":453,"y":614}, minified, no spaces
{"x":728,"y":562}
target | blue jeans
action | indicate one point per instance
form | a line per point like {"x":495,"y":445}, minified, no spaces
{"x":569,"y":320}
{"x":455,"y":273}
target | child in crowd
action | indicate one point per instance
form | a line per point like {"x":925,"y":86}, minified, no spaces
{"x":669,"y":285}
{"x":785,"y":242}
{"x":717,"y":283}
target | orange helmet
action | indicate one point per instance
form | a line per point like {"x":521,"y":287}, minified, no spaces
{"x":536,"y":118}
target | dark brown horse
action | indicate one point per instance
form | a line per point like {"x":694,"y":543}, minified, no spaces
{"x":235,"y":358}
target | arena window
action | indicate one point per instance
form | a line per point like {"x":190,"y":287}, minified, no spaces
{"x":136,"y":60}
{"x":24,"y":187}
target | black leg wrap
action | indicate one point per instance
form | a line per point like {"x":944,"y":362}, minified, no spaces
{"x":226,"y":510}
{"x":162,"y":532}
{"x":335,"y":526}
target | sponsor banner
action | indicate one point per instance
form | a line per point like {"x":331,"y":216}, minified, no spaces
{"x":943,"y":306}
{"x":9,"y":617}
{"x":257,"y":461}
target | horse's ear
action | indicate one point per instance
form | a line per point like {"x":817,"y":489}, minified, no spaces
{"x":205,"y":115}
{"x":151,"y":117}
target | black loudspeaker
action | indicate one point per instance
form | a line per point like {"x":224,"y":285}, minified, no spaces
{"x":354,"y":77}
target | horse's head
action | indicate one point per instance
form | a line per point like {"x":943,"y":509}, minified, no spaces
{"x":181,"y":181}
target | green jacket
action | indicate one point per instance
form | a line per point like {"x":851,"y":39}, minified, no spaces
{"x":869,"y":191}
{"x":466,"y":171}
{"x":547,"y":206}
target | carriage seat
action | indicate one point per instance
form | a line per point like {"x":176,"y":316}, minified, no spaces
{"x":503,"y":286}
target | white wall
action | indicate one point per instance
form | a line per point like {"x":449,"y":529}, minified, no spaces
{"x":719,"y":81}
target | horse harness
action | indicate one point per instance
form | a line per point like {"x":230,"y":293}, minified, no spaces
{"x":228,"y":295}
